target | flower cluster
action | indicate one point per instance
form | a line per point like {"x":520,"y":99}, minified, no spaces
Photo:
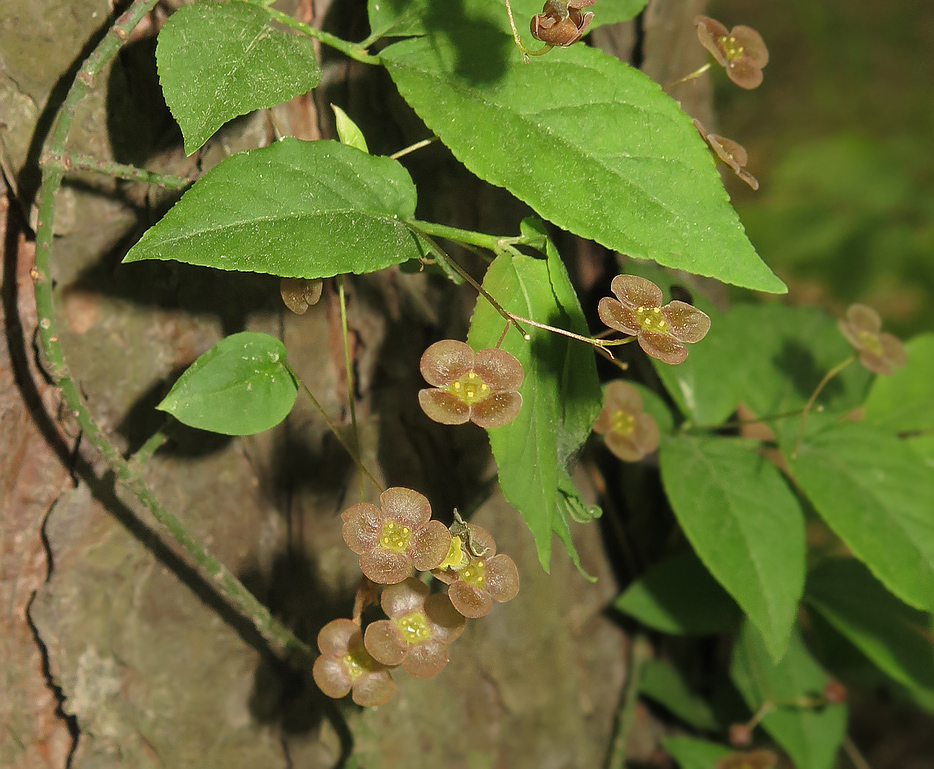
{"x":391,"y":539}
{"x":629,"y":432}
{"x":661,"y":331}
{"x":878,"y":351}
{"x":741,"y":50}
{"x":730,"y":152}
{"x":561,"y":22}
{"x":300,"y":294}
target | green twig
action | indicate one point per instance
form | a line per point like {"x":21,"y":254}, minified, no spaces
{"x":640,"y":654}
{"x":279,"y":637}
{"x":495,"y":243}
{"x":71,"y":162}
{"x":817,"y":391}
{"x":353,"y":50}
{"x":348,"y":368}
{"x":412,"y":147}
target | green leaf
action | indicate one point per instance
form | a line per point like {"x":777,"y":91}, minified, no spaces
{"x":348,"y":131}
{"x":744,"y":523}
{"x":241,"y":386}
{"x":615,"y":11}
{"x":811,"y":737}
{"x":396,"y":18}
{"x":691,"y":753}
{"x":679,"y":596}
{"x":590,"y":143}
{"x":662,"y":682}
{"x":220,"y":60}
{"x":904,"y":402}
{"x":295,"y":209}
{"x":571,"y":506}
{"x":887,"y":631}
{"x":877,"y":495}
{"x":560,"y":393}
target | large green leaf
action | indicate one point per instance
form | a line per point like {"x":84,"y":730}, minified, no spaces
{"x":560,"y":393}
{"x":878,"y":496}
{"x":887,"y":631}
{"x":679,"y":596}
{"x":661,"y":681}
{"x":744,"y":523}
{"x":295,"y":209}
{"x":220,"y":60}
{"x":590,"y":143}
{"x":905,"y":400}
{"x":240,"y":386}
{"x":691,"y":753}
{"x":811,"y":737}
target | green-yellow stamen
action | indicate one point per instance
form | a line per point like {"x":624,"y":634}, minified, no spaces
{"x":652,"y":319}
{"x":357,"y":662}
{"x":622,"y":422}
{"x":470,"y":388}
{"x":456,"y":557}
{"x":871,"y":342}
{"x":730,"y":49}
{"x":474,"y":574}
{"x":414,"y":627}
{"x":395,"y":537}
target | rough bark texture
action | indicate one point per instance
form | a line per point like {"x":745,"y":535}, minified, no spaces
{"x":122,"y":636}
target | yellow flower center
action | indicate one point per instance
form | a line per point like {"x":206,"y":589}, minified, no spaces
{"x":871,"y":342}
{"x":652,"y":319}
{"x":357,"y":662}
{"x":470,"y":389}
{"x":730,"y":47}
{"x":622,"y":422}
{"x":456,"y":557}
{"x":474,"y":574}
{"x":395,"y":537}
{"x":414,"y":627}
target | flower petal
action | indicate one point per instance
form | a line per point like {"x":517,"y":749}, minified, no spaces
{"x":664,"y":347}
{"x":446,"y":361}
{"x":430,"y":546}
{"x":863,"y":318}
{"x":893,"y":350}
{"x":497,"y":410}
{"x":374,"y":689}
{"x":730,"y":152}
{"x":744,"y":73}
{"x":499,"y":369}
{"x":385,"y":567}
{"x":502,"y":578}
{"x":404,"y":598}
{"x":446,"y":622}
{"x":470,"y":601}
{"x":443,"y":407}
{"x":426,"y":660}
{"x":384,"y":643}
{"x":622,"y":396}
{"x":405,"y":506}
{"x":754,"y":47}
{"x":617,"y":317}
{"x":334,"y":638}
{"x":624,"y":447}
{"x":482,"y":540}
{"x":331,"y":676}
{"x":647,"y":434}
{"x":634,"y":291}
{"x":709,"y":32}
{"x":875,"y":363}
{"x":685,"y":322}
{"x":363,"y":524}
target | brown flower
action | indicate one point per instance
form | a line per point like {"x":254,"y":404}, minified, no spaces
{"x":345,"y":665}
{"x":393,"y":538}
{"x":757,"y":759}
{"x":419,"y":628}
{"x":878,"y":351}
{"x":300,"y":294}
{"x":467,"y":386}
{"x":630,"y":432}
{"x":561,"y":22}
{"x":730,"y":152}
{"x":661,"y":331}
{"x":476,"y":574}
{"x":741,"y":51}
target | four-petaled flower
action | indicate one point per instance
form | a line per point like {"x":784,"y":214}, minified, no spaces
{"x":419,"y":628}
{"x":476,"y":574}
{"x":757,"y":759}
{"x":396,"y":536}
{"x":741,"y":50}
{"x":467,"y":386}
{"x":629,"y":432}
{"x":730,"y":152}
{"x":878,"y":351}
{"x":345,"y":665}
{"x":661,"y":331}
{"x":561,"y":22}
